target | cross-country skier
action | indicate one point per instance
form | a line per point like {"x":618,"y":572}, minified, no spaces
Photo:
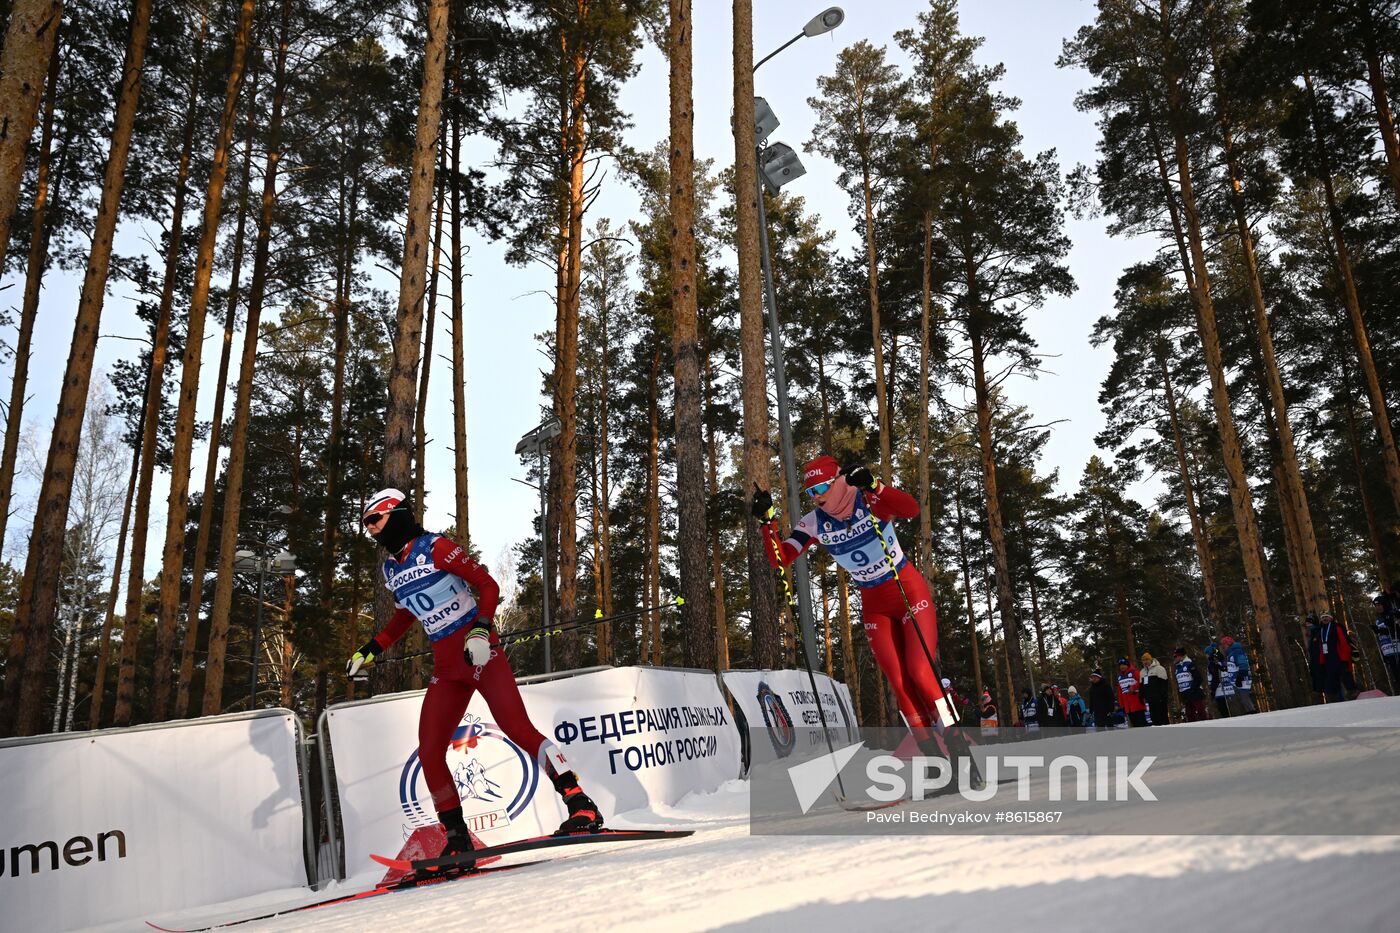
{"x":854,"y":511}
{"x":435,"y":583}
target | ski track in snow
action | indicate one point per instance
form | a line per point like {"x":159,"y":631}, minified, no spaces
{"x":722,"y":878}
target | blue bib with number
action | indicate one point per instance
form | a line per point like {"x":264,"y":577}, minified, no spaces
{"x":855,"y":545}
{"x":442,"y":601}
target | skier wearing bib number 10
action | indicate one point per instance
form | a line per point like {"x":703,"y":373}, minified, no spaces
{"x":435,"y":583}
{"x":854,"y":511}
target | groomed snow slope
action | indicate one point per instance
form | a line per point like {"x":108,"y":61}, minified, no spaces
{"x":724,"y":879}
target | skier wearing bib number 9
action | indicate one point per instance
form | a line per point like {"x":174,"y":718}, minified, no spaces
{"x":853,"y":512}
{"x":435,"y":583}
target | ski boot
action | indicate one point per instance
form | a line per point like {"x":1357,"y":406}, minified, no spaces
{"x":958,"y":750}
{"x":584,"y":816}
{"x":459,"y":841}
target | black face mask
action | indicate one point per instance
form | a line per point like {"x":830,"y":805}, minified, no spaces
{"x":398,"y":530}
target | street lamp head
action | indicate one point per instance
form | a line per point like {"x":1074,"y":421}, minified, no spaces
{"x":823,"y":22}
{"x":765,"y":121}
{"x":540,"y":436}
{"x":778,"y":165}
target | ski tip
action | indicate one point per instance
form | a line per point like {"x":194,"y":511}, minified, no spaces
{"x":398,"y":863}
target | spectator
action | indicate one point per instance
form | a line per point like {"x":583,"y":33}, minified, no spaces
{"x":1237,"y":669}
{"x":1156,"y":690}
{"x":1190,"y":686}
{"x":1329,"y":655}
{"x":1100,"y":700}
{"x":1028,"y":711}
{"x":1076,"y":710}
{"x":1130,"y":693}
{"x":1047,"y":708}
{"x":1388,"y":634}
{"x":988,"y":717}
{"x":1221,"y":687}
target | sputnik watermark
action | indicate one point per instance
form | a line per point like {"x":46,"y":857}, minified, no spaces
{"x":888,"y":779}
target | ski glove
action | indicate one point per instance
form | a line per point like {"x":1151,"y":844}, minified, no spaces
{"x":860,"y":477}
{"x":479,"y":643}
{"x":363,"y":658}
{"x":762,"y":506}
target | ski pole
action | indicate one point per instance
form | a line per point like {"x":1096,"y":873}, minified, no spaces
{"x":797,"y":626}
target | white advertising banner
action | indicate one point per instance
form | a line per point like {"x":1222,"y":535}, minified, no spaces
{"x":636,"y":737}
{"x":115,"y":825}
{"x":780,"y":703}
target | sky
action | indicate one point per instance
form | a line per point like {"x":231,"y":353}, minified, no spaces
{"x":506,"y":305}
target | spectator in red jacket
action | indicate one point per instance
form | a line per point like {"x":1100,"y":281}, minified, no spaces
{"x":1130,"y":693}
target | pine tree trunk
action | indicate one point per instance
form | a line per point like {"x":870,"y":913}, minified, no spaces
{"x":408,"y":336}
{"x":347,"y":214}
{"x":995,"y":531}
{"x":1293,"y":495}
{"x":926,"y":306}
{"x":34,"y":615}
{"x":1380,"y":100}
{"x":721,"y":627}
{"x":1241,"y":500}
{"x":173,"y":560}
{"x":653,"y":512}
{"x":99,"y":682}
{"x":1035,"y":613}
{"x":33,"y":279}
{"x":459,"y":363}
{"x":154,"y":395}
{"x":1373,"y":526}
{"x":408,"y":319}
{"x":967,"y":581}
{"x":233,"y":470}
{"x":216,"y":427}
{"x":763,"y":604}
{"x":566,"y":357}
{"x":697,"y":627}
{"x":604,"y":569}
{"x":882,"y":412}
{"x":1205,"y":559}
{"x":420,"y":426}
{"x":850,"y":667}
{"x":30,"y":39}
{"x":1379,"y":412}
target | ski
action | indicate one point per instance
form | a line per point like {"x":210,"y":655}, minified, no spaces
{"x":405,"y":885}
{"x":527,"y":845}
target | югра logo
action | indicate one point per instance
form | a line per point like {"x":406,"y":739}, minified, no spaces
{"x":776,"y":718}
{"x":495,"y":778}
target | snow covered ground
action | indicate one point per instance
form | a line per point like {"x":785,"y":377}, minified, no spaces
{"x":722,"y":878}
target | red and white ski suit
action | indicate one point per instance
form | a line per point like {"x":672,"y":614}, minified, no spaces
{"x":854,"y":544}
{"x":424,"y":579}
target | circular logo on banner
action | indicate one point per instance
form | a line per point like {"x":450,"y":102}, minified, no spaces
{"x":495,"y":778}
{"x":776,"y":718}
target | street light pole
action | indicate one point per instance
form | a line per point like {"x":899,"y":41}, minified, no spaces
{"x":823,"y":22}
{"x":537,"y":440}
{"x":794,"y":500}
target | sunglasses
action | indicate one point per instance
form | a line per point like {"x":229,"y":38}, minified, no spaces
{"x":818,"y":489}
{"x":374,"y":519}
